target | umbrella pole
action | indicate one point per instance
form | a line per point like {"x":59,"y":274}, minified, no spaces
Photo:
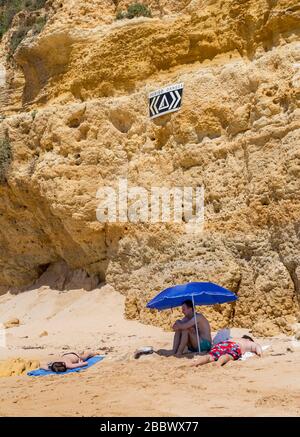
{"x":196,"y":324}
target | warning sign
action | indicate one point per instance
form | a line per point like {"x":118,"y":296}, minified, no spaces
{"x":165,"y":100}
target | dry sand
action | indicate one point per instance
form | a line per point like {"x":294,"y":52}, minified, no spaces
{"x":121,"y":385}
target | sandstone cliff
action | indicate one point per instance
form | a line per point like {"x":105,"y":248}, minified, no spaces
{"x":74,"y":117}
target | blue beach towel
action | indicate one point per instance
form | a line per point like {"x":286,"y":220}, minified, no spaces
{"x":91,"y":362}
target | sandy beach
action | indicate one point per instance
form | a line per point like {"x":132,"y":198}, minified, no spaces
{"x":153,"y":385}
{"x":146,"y":144}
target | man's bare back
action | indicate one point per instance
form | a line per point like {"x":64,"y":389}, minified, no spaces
{"x":204,"y":327}
{"x":247,"y":345}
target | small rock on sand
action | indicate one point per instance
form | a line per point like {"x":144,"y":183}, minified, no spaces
{"x":43,"y":334}
{"x":17,"y":366}
{"x":12,"y":323}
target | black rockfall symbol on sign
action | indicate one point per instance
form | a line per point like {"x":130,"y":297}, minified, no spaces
{"x":165,"y":100}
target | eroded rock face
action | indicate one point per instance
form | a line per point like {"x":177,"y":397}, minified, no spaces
{"x":17,"y":367}
{"x":84,"y":124}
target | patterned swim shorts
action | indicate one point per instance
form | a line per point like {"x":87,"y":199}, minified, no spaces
{"x":226,"y":347}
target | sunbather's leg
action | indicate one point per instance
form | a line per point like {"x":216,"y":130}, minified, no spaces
{"x":224,"y":359}
{"x":205,"y":359}
{"x":192,"y":340}
{"x":86,"y":355}
{"x":176,"y":341}
{"x":183,"y":342}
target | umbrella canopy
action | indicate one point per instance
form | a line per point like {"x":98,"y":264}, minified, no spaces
{"x":202,"y":293}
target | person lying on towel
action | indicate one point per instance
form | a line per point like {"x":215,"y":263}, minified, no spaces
{"x":69,"y":360}
{"x":229,"y":350}
{"x":185,"y":337}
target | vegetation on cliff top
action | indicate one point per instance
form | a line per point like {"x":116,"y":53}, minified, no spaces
{"x":5,"y":158}
{"x":8,"y":10}
{"x":134,"y":10}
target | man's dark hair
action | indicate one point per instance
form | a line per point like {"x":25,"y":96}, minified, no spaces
{"x":248,"y":338}
{"x":189,"y":303}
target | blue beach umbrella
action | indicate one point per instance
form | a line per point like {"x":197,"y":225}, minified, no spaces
{"x":200,"y":293}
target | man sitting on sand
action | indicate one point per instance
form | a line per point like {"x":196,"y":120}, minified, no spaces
{"x":185,"y":331}
{"x":71,"y":360}
{"x":229,"y":350}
